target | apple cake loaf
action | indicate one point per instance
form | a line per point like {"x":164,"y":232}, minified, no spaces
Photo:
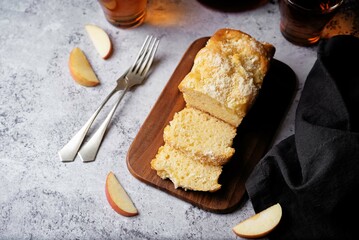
{"x":185,"y":172}
{"x":200,"y":136}
{"x":227,"y":75}
{"x":222,"y":85}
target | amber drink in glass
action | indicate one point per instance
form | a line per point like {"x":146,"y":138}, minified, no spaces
{"x":302,"y":21}
{"x":124,"y":13}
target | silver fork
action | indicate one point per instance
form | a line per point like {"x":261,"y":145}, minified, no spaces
{"x":133,"y":76}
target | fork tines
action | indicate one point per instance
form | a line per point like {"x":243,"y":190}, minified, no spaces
{"x":145,"y":55}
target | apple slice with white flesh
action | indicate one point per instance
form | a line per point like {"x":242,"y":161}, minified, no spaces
{"x":100,"y":40}
{"x":81,"y":70}
{"x":118,"y":197}
{"x":260,"y":224}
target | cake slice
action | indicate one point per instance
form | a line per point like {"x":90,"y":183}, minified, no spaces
{"x":200,"y":136}
{"x":185,"y":172}
{"x":227,"y":75}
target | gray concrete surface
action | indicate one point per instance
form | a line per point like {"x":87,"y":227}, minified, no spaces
{"x":41,"y":107}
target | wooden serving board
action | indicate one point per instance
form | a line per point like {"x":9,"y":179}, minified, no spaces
{"x":254,"y":135}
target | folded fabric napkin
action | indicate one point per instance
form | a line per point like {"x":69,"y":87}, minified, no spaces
{"x":314,"y":174}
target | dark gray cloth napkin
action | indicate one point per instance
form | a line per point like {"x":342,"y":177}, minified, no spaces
{"x":314,"y":174}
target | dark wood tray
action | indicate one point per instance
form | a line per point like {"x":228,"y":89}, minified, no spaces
{"x":254,"y":135}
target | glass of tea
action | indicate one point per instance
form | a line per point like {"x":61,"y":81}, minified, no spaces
{"x":124,"y":13}
{"x":302,"y":21}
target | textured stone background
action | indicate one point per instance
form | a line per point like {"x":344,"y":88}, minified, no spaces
{"x":41,"y":108}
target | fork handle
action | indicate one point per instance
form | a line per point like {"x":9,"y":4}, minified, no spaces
{"x":69,"y":151}
{"x":89,"y":150}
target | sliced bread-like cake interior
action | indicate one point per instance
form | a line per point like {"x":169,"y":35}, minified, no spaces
{"x":201,"y":135}
{"x":185,"y":172}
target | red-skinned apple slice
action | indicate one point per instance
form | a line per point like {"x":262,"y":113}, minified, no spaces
{"x":118,"y":197}
{"x":100,"y":40}
{"x":260,"y":224}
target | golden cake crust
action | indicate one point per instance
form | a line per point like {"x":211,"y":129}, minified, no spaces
{"x":227,"y":74}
